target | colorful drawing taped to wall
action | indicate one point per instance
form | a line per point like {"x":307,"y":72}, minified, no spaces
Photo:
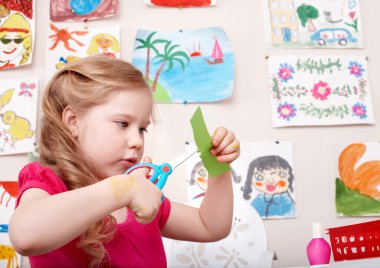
{"x":313,"y":24}
{"x":76,"y":10}
{"x":68,"y":44}
{"x":18,"y":116}
{"x":319,"y":90}
{"x":243,"y":247}
{"x":358,"y":183}
{"x":186,"y":66}
{"x":8,"y":194}
{"x":181,"y":3}
{"x":16,"y":33}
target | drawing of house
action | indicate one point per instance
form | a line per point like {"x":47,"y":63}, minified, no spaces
{"x":284,"y":24}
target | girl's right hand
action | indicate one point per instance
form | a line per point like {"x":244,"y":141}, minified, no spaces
{"x":144,"y":198}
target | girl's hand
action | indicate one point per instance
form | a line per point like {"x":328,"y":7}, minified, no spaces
{"x":226,"y":147}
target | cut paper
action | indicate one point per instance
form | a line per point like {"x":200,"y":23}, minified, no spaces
{"x":8,"y":194}
{"x":17,"y":27}
{"x":312,"y":24}
{"x":79,"y":10}
{"x":319,"y":90}
{"x":67,"y":43}
{"x":181,"y":3}
{"x":357,"y":191}
{"x":203,"y":140}
{"x":18,"y":115}
{"x":186,"y":66}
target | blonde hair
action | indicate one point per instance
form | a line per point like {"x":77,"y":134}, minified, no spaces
{"x":82,"y":85}
{"x":17,"y":23}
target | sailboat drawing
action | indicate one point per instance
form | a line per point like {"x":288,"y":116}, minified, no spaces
{"x":217,"y":54}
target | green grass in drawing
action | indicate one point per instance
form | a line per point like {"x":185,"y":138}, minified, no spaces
{"x":160,"y":94}
{"x":333,"y":111}
{"x":318,"y":66}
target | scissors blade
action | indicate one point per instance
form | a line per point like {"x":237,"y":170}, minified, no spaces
{"x":179,"y":160}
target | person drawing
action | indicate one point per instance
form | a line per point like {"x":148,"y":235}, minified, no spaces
{"x":199,"y":177}
{"x":76,"y":207}
{"x":104,"y":43}
{"x":272,"y":176}
{"x":15,"y":42}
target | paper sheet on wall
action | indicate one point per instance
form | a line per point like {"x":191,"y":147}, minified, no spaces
{"x":181,"y":3}
{"x":186,"y":65}
{"x":312,"y":24}
{"x":358,"y":179}
{"x":18,"y":111}
{"x":17,"y":31}
{"x":69,"y":42}
{"x":319,"y":90}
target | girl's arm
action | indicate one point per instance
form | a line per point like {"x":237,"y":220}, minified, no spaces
{"x":212,"y":221}
{"x":42,"y":222}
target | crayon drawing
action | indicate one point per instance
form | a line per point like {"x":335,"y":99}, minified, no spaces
{"x":358,"y":180}
{"x":186,"y":66}
{"x":17,"y":26}
{"x":80,"y":10}
{"x":312,"y":24}
{"x":67,"y":44}
{"x":181,"y":3}
{"x":319,"y":90}
{"x":8,"y":194}
{"x":18,"y":116}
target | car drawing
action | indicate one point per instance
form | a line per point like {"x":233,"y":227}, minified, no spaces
{"x":331,"y":35}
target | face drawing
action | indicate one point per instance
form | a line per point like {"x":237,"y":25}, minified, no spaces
{"x":201,"y":177}
{"x":271,"y":181}
{"x":11,"y":46}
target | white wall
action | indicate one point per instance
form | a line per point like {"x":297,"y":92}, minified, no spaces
{"x":247,"y":112}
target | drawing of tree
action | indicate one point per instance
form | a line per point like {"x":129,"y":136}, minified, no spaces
{"x":307,"y":14}
{"x":169,"y":56}
{"x":149,"y":44}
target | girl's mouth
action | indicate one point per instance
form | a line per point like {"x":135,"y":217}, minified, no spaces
{"x":10,"y":52}
{"x":270,"y":187}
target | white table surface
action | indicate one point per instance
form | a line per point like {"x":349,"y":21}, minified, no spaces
{"x":362,"y":263}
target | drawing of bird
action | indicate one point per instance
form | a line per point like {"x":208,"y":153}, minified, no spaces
{"x":19,"y":126}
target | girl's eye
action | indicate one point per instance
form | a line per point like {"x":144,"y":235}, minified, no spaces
{"x":143,"y":130}
{"x":259,"y":177}
{"x":122,"y":123}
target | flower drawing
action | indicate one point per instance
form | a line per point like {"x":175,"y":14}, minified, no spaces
{"x":356,"y":69}
{"x":285,"y":72}
{"x":286,"y":111}
{"x":359,"y":110}
{"x":321,"y":91}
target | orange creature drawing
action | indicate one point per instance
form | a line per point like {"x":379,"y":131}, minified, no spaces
{"x":366,"y":177}
{"x":11,"y":188}
{"x":8,"y":253}
{"x":63,"y":35}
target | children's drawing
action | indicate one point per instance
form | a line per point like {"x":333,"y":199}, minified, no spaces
{"x":181,"y":3}
{"x":8,"y":194}
{"x":76,"y":10}
{"x":358,"y":183}
{"x":243,"y":247}
{"x":186,"y":66}
{"x":313,"y":24}
{"x":18,"y":115}
{"x":319,"y":90}
{"x":16,"y":33}
{"x":68,"y":44}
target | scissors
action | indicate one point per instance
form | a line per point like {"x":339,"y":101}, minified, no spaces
{"x":161,"y":172}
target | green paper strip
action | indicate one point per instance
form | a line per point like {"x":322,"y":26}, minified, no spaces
{"x":203,"y":140}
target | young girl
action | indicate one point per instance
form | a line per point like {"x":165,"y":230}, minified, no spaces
{"x":76,"y":207}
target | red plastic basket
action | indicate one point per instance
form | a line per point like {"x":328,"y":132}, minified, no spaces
{"x":356,"y":241}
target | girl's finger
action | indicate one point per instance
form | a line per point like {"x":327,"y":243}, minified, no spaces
{"x":227,"y":140}
{"x":218,"y":136}
{"x":231,"y":148}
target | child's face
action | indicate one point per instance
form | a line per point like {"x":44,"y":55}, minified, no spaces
{"x":271,"y":181}
{"x":112,"y":134}
{"x":11,"y":46}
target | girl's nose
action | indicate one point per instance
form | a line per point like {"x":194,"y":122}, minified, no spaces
{"x":135,"y":139}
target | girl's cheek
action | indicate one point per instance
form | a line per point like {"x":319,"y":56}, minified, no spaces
{"x":281,"y":183}
{"x":259,"y":184}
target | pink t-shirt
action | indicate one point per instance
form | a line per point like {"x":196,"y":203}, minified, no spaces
{"x":134,"y":244}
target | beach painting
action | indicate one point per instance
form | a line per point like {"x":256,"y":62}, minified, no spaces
{"x":186,"y":66}
{"x":18,"y":115}
{"x":67,"y":43}
{"x":80,"y":10}
{"x":319,"y":90}
{"x":181,"y":3}
{"x":8,"y":195}
{"x":357,"y":184}
{"x":17,"y":28}
{"x":313,"y":24}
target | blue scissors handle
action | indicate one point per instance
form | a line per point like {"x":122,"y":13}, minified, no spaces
{"x":160,"y":173}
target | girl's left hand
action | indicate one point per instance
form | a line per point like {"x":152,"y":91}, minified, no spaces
{"x":226,"y":147}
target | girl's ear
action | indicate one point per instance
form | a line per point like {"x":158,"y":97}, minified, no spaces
{"x":70,"y":119}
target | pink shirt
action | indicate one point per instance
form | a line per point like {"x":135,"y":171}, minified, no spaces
{"x":134,"y":244}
